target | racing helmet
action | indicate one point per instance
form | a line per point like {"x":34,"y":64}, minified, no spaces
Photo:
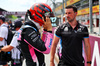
{"x":39,"y":10}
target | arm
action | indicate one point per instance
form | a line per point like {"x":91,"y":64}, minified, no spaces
{"x":13,"y":44}
{"x":87,"y":49}
{"x":53,"y":49}
{"x":7,"y":48}
{"x":32,"y":38}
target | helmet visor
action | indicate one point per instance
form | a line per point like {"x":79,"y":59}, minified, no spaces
{"x":49,"y":14}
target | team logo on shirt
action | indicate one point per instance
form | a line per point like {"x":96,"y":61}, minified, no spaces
{"x":66,"y":29}
{"x":50,"y":43}
{"x":79,"y":30}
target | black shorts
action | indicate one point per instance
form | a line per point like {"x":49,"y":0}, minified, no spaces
{"x":62,"y":63}
{"x":3,"y":62}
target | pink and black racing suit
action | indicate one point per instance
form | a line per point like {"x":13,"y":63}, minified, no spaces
{"x":33,"y":47}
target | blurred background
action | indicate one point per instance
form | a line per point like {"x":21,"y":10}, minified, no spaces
{"x":14,"y":9}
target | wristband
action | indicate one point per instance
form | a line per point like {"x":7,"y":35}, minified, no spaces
{"x":44,"y":29}
{"x":49,"y":31}
{"x":89,"y":62}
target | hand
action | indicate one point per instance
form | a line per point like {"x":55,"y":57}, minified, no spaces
{"x":47,"y":24}
{"x":44,"y":27}
{"x":52,"y":64}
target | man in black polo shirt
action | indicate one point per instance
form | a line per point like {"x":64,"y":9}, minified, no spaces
{"x":72,"y":34}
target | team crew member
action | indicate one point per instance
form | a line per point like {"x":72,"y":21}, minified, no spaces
{"x":31,"y":44}
{"x":16,"y":58}
{"x":3,"y":34}
{"x":71,"y":33}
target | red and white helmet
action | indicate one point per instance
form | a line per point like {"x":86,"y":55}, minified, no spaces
{"x":39,"y":10}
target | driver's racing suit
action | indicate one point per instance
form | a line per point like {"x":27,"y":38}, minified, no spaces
{"x":32,"y":45}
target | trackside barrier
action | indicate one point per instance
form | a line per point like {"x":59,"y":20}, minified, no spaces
{"x":95,"y":50}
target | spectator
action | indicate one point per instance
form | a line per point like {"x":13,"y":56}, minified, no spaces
{"x":16,"y":58}
{"x":3,"y":34}
{"x":10,"y":24}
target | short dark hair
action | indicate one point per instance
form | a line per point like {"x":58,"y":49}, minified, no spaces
{"x":71,"y":6}
{"x":2,"y":18}
{"x":17,"y":23}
